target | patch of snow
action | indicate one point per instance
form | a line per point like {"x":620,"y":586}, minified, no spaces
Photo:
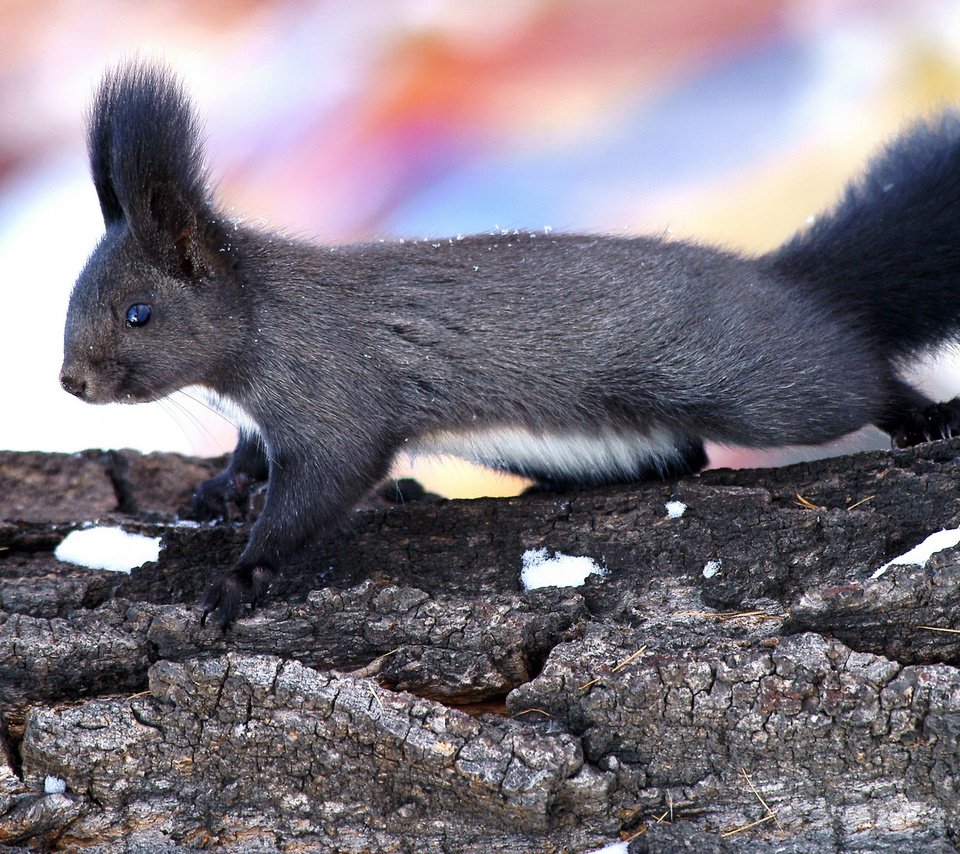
{"x":54,"y":785}
{"x":919,"y":554}
{"x":540,"y":570}
{"x":615,"y":848}
{"x":711,"y":568}
{"x":112,"y":549}
{"x":675,"y":509}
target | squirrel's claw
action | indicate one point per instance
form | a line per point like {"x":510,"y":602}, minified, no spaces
{"x":226,"y":597}
{"x":936,"y":421}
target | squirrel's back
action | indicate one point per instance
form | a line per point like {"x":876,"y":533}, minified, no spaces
{"x":582,"y":332}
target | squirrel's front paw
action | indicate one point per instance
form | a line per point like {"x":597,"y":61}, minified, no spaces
{"x":232,"y":591}
{"x":937,"y":421}
{"x":213,"y":498}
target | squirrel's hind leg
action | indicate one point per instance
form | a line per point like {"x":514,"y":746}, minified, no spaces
{"x":912,"y":418}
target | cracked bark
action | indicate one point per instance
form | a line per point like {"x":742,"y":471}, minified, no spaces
{"x":398,"y":691}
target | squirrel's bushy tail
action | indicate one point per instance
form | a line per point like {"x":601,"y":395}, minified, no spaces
{"x":890,"y":251}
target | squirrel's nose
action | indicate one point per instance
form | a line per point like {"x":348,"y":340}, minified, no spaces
{"x":75,"y":385}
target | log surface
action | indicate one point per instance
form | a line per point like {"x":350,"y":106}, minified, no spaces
{"x":742,"y":678}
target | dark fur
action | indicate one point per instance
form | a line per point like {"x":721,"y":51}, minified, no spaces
{"x":344,"y":355}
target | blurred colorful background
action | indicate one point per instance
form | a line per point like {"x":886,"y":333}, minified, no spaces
{"x":728,"y":121}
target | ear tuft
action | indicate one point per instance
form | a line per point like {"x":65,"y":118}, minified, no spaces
{"x":146,"y":156}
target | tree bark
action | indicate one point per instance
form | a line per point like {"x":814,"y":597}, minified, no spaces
{"x":399,"y":691}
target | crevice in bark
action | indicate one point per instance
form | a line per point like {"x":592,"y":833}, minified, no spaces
{"x":118,"y":470}
{"x":10,"y":748}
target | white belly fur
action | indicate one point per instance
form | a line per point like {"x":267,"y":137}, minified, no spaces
{"x":564,"y":456}
{"x":227,"y":407}
{"x":574,"y":455}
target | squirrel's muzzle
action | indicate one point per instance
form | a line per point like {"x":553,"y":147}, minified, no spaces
{"x":75,"y":385}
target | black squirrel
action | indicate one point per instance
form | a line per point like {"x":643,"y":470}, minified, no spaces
{"x":571,"y":359}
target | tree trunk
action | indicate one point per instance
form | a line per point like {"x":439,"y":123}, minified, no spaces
{"x":741,"y":678}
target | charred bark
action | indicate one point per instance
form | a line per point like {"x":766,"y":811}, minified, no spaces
{"x":742,"y":678}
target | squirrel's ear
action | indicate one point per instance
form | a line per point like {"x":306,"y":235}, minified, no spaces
{"x":99,"y":147}
{"x":174,"y":230}
{"x":146,"y":156}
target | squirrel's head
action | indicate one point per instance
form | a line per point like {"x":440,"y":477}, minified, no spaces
{"x":156,"y":307}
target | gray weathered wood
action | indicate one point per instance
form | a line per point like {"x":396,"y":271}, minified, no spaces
{"x":399,"y":691}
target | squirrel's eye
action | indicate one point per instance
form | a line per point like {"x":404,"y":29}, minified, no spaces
{"x":138,"y":314}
